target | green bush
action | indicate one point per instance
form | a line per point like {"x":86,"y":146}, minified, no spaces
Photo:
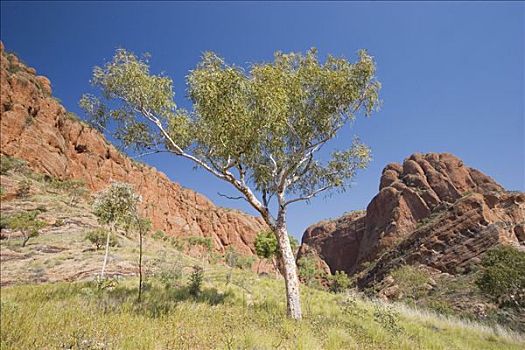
{"x":411,"y":280}
{"x":202,"y":241}
{"x":196,"y":278}
{"x":308,"y":271}
{"x":10,"y":163}
{"x":234,"y":259}
{"x":27,"y":223}
{"x":339,"y":282}
{"x":159,"y":235}
{"x":503,"y":276}
{"x":98,"y":237}
{"x":24,"y":188}
{"x":388,"y":318}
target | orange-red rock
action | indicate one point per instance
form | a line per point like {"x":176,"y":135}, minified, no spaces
{"x":36,"y":127}
{"x":433,"y":210}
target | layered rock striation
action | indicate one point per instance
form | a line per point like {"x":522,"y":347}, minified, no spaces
{"x":431,"y":210}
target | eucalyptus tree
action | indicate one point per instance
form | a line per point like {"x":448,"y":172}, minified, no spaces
{"x":259,"y":129}
{"x":116,"y":203}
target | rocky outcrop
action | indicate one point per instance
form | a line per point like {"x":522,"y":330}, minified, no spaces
{"x":326,"y":240}
{"x":36,"y":127}
{"x":431,"y":210}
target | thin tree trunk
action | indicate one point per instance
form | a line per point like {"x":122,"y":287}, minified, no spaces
{"x":140,"y":264}
{"x":107,"y":252}
{"x":293,"y":301}
{"x":24,"y":242}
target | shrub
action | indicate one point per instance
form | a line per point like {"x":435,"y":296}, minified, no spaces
{"x":169,"y":275}
{"x":388,"y":318}
{"x":411,"y":280}
{"x":159,"y":235}
{"x":27,"y":223}
{"x":339,"y":282}
{"x":10,"y":163}
{"x":266,"y":245}
{"x":202,"y":241}
{"x":23,"y":189}
{"x":503,"y":276}
{"x":98,"y":237}
{"x":234,"y":259}
{"x":196,"y":277}
{"x":245,"y":262}
{"x":308,"y":270}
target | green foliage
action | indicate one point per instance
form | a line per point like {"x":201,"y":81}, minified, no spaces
{"x":115,"y":204}
{"x":4,"y":221}
{"x":503,"y":276}
{"x":411,"y":280}
{"x":200,"y":241}
{"x":287,"y":108}
{"x":159,"y":235}
{"x":76,"y":189}
{"x":27,"y":223}
{"x":339,"y":282}
{"x":195,"y":283}
{"x":236,"y":260}
{"x":294,"y":243}
{"x":266,"y":245}
{"x":308,"y":270}
{"x":23,"y":189}
{"x":98,"y":237}
{"x":388,"y":318}
{"x":8,"y":164}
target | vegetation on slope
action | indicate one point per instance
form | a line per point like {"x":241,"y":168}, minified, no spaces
{"x":224,"y":307}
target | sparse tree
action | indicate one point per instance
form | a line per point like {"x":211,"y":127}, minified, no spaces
{"x":27,"y":223}
{"x":266,"y":247}
{"x":98,"y":237}
{"x":143,"y":226}
{"x":259,"y":129}
{"x":77,"y":190}
{"x":111,"y":206}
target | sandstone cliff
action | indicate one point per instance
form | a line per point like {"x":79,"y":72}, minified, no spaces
{"x":36,"y":127}
{"x":431,"y":210}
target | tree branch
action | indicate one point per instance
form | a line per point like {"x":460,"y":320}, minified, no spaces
{"x":308,"y":197}
{"x":232,"y":197}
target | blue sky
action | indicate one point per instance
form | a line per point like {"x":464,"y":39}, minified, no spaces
{"x":452,"y":73}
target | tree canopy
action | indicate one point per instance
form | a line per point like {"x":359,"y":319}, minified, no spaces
{"x":259,"y":126}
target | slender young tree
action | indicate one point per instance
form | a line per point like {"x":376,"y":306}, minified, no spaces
{"x":111,"y":206}
{"x":143,"y":226}
{"x":259,"y":129}
{"x":27,"y":223}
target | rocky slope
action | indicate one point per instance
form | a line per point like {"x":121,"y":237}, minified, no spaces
{"x":430,"y":210}
{"x":35,"y":127}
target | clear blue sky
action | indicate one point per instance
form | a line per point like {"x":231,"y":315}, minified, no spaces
{"x":452,"y":73}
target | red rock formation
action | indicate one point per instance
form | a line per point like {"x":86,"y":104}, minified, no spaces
{"x":431,"y":210}
{"x":36,"y":128}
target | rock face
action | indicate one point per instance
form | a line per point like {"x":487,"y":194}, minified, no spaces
{"x":36,"y":128}
{"x":432,"y":210}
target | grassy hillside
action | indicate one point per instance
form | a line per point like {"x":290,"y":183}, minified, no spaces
{"x":242,"y":312}
{"x":50,"y":300}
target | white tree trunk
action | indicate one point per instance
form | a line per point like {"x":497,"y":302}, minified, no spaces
{"x":293,"y":301}
{"x":106,"y":255}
